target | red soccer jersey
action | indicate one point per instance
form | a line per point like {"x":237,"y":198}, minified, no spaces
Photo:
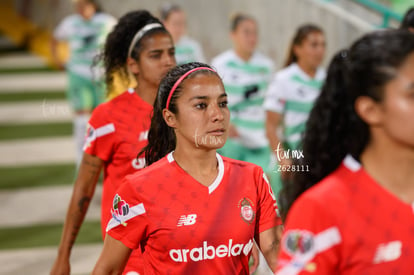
{"x":117,"y":132}
{"x":188,"y":228}
{"x":348,"y":224}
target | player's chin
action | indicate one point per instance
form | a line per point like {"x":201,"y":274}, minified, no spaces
{"x":217,"y":145}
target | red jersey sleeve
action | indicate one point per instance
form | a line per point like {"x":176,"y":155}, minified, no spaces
{"x":267,"y":216}
{"x":129,"y":217}
{"x":100,"y":135}
{"x":310,"y":242}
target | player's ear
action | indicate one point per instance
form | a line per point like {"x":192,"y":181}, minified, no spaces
{"x":132,"y":65}
{"x":369,"y":110}
{"x":169,"y":118}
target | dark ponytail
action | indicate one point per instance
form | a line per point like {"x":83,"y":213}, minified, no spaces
{"x":300,"y":35}
{"x":161,"y":137}
{"x":334,"y":129}
{"x":117,"y":44}
{"x":408,"y":20}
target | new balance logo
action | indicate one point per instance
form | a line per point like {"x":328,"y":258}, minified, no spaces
{"x":187,"y":220}
{"x":388,"y":252}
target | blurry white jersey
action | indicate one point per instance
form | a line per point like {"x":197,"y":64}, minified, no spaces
{"x":292,"y":93}
{"x":86,"y":39}
{"x":245,"y":84}
{"x":188,"y":50}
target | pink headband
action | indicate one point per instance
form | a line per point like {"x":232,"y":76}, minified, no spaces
{"x":181,"y":79}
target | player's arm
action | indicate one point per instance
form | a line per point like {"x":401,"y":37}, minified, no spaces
{"x":113,"y":258}
{"x":273,"y":120}
{"x":54,"y":44}
{"x":83,"y":191}
{"x":268,"y":242}
{"x":274,"y":105}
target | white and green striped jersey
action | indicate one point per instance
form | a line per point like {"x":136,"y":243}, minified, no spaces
{"x":292,"y":93}
{"x":85,"y":38}
{"x":188,"y":50}
{"x":245,"y":84}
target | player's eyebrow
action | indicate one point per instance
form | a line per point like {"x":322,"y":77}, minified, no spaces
{"x":206,"y":97}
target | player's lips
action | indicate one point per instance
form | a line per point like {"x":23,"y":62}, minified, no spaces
{"x":217,"y":132}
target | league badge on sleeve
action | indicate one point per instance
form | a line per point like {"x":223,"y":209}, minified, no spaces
{"x":298,"y":242}
{"x":119,"y":209}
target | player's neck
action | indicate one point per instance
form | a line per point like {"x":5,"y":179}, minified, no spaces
{"x":392,"y":167}
{"x":244,"y":55}
{"x":201,"y":165}
{"x":146,"y":93}
{"x":309,"y":70}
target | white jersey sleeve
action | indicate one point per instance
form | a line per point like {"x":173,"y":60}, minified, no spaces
{"x":275,"y":96}
{"x":65,"y":28}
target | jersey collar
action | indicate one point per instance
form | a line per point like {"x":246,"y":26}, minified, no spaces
{"x":220,"y":174}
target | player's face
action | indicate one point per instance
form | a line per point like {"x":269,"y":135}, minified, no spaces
{"x":84,"y":8}
{"x":203,"y":116}
{"x":176,"y":24}
{"x":245,"y":36}
{"x":155,"y":59}
{"x":312,"y":50}
{"x":397,"y":107}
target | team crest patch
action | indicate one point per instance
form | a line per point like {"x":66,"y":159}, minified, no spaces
{"x":119,"y":209}
{"x":298,"y":242}
{"x":246,"y":210}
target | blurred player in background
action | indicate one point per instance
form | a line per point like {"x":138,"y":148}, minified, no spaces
{"x":246,"y":74}
{"x":291,"y":95}
{"x":186,"y":48}
{"x":85,"y":31}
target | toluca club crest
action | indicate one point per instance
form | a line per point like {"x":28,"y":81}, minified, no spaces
{"x":246,"y":210}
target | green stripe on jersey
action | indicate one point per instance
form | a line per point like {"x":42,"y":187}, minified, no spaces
{"x":46,"y":235}
{"x":246,"y":103}
{"x":313,"y":83}
{"x":292,"y":145}
{"x":183,"y":50}
{"x":249,"y":68}
{"x":241,"y":89}
{"x":297,"y":129}
{"x":297,"y":106}
{"x":254,"y":125}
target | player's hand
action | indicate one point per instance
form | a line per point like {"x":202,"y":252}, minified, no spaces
{"x":60,"y":267}
{"x":255,"y":258}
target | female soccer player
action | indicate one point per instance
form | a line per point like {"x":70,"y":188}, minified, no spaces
{"x":246,"y":74}
{"x":186,"y":48}
{"x":194,"y":211}
{"x":291,"y":95}
{"x":85,"y":32}
{"x":139,"y":44}
{"x":353,"y":210}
